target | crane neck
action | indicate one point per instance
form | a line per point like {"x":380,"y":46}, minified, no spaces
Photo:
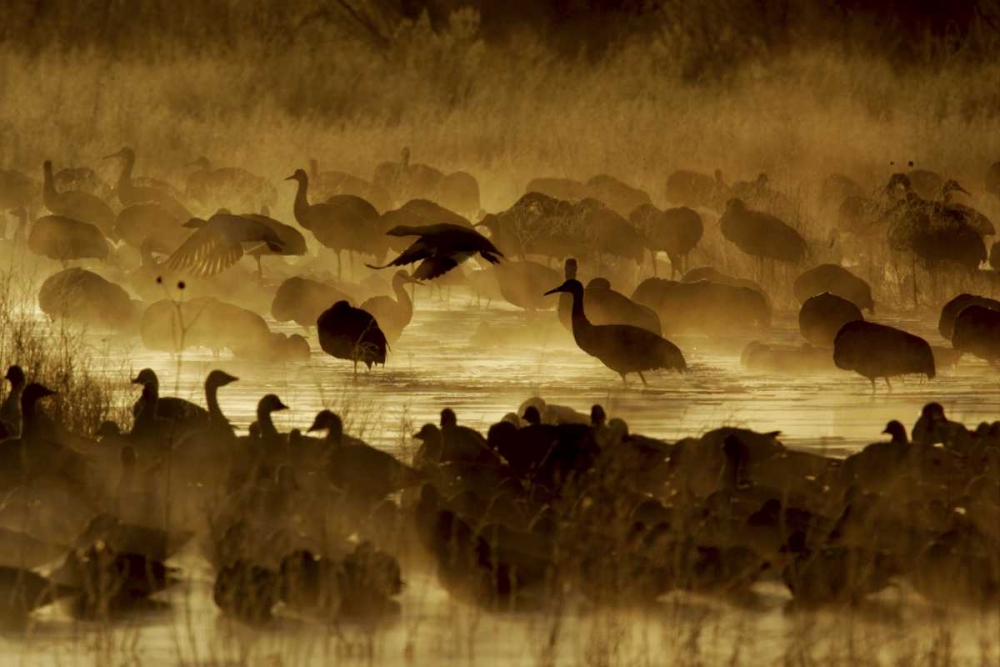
{"x":578,"y":317}
{"x":49,"y":192}
{"x":125,"y":177}
{"x":301,"y":207}
{"x":402,"y":296}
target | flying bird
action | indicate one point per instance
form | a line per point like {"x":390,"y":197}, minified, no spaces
{"x":440,"y":248}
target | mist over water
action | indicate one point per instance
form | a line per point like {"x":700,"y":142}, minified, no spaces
{"x":766,"y":104}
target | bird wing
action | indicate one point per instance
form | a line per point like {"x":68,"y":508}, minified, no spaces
{"x":205,"y":253}
{"x":434,"y":267}
{"x":417,"y":251}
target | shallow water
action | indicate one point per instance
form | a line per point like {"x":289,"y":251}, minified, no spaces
{"x":441,"y":360}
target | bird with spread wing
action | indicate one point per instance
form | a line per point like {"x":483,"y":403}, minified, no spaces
{"x":440,"y":248}
{"x":220,"y":242}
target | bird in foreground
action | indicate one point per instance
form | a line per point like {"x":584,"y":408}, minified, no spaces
{"x":219,"y":243}
{"x":621,"y":347}
{"x":440,"y":248}
{"x":351,"y":333}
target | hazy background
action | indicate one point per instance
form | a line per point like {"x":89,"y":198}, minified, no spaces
{"x":506,"y":89}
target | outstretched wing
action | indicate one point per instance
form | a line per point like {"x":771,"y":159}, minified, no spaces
{"x":417,"y":251}
{"x":205,"y":253}
{"x":433,"y":267}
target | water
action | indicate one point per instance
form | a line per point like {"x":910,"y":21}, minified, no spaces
{"x":442,"y":360}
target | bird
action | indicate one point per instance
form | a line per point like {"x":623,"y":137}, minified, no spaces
{"x":616,"y":194}
{"x":10,"y":409}
{"x":346,"y":332}
{"x":605,"y":305}
{"x":685,"y":187}
{"x":977,"y":332}
{"x":836,"y":280}
{"x":440,"y":248}
{"x":704,"y":306}
{"x":292,"y":240}
{"x":344,"y":222}
{"x":84,"y":297}
{"x":621,"y":347}
{"x":64,"y":239}
{"x":150,"y":223}
{"x":675,"y":231}
{"x":327,"y":184}
{"x":880,"y":351}
{"x":230,"y":185}
{"x":182,"y":415}
{"x":392,"y":315}
{"x":951,"y":310}
{"x":822,"y":316}
{"x":363,"y":472}
{"x":303,"y":300}
{"x":934,"y":235}
{"x":522,"y":282}
{"x":219,"y":242}
{"x":76,"y":205}
{"x":946,"y":205}
{"x":130,"y":193}
{"x":760,"y":234}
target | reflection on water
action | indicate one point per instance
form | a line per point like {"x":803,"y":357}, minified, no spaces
{"x":484,"y":362}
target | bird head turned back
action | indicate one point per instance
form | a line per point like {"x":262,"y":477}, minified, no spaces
{"x":599,"y":283}
{"x":571,"y":286}
{"x":330,"y":422}
{"x":15,"y":375}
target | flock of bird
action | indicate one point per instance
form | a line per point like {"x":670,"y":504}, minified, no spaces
{"x":547,"y":507}
{"x":548,"y":502}
{"x":602,"y":224}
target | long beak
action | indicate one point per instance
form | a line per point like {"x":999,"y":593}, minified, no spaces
{"x":959,"y":188}
{"x":136,"y":380}
{"x":553,"y":291}
{"x":113,"y":155}
{"x":282,"y":406}
{"x":291,"y":178}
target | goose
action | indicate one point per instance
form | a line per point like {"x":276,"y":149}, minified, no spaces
{"x":353,"y":334}
{"x":219,"y":242}
{"x":77,"y":205}
{"x":182,"y":416}
{"x":129,"y":193}
{"x":392,"y":315}
{"x":364,"y":473}
{"x":440,"y":248}
{"x":10,"y":409}
{"x":621,"y":347}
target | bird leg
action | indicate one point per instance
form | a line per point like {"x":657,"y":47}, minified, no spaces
{"x":887,"y":383}
{"x":340,"y":265}
{"x":872,"y":380}
{"x":624,"y":380}
{"x":913,"y":272}
{"x":260,"y":271}
{"x":652,"y":256}
{"x":643,"y":378}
